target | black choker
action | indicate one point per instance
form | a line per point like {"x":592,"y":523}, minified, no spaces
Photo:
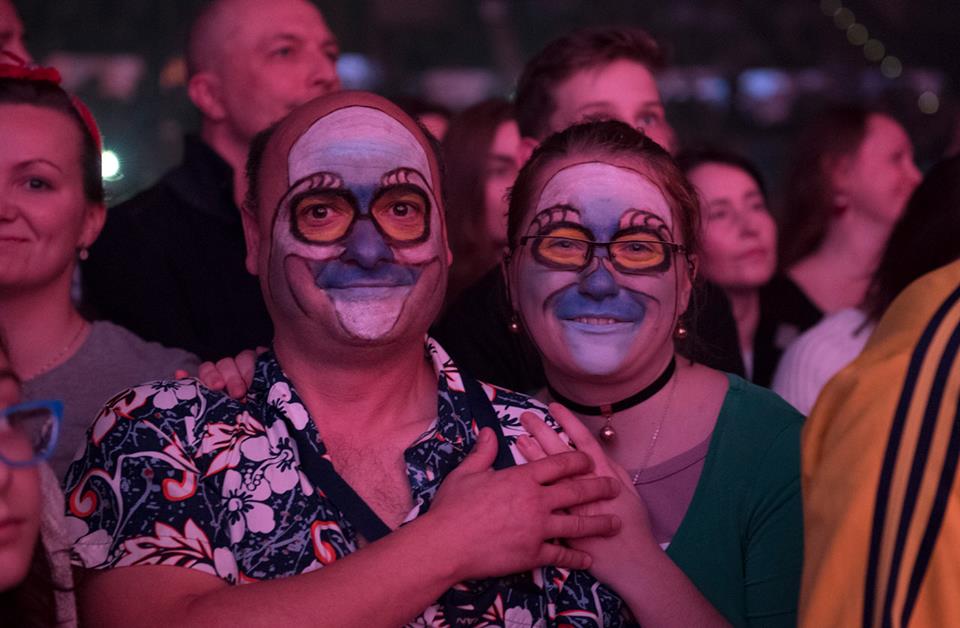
{"x":607,"y":433}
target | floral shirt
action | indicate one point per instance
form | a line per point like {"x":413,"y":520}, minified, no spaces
{"x":177,"y":474}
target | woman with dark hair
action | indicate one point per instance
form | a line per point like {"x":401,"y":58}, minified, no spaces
{"x":924,"y":239}
{"x":604,"y":249}
{"x":35,"y":577}
{"x":851,"y":175}
{"x":480,"y":154}
{"x":738,"y":246}
{"x":51,"y":211}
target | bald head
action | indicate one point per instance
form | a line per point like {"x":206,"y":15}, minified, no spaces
{"x":220,"y":21}
{"x":252,"y":62}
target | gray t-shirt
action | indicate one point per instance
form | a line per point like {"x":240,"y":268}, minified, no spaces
{"x":109,"y":361}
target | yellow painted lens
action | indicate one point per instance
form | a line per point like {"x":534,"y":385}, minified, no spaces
{"x":563,"y":247}
{"x":402,"y":215}
{"x":638,"y":254}
{"x":322,"y":218}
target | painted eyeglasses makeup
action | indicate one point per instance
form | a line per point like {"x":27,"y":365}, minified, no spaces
{"x":632,"y":251}
{"x":28,"y":432}
{"x":401,"y":213}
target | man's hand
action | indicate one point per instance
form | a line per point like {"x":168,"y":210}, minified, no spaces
{"x":231,"y":375}
{"x":616,"y":557}
{"x":502,"y":522}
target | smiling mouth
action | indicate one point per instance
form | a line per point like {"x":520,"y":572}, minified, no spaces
{"x":595,"y":320}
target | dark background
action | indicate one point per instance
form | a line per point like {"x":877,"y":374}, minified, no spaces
{"x":744,"y":73}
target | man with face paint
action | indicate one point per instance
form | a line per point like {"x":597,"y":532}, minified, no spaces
{"x":309,"y":491}
{"x":587,"y":75}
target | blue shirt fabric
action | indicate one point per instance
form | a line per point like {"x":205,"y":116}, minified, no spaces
{"x":177,"y":474}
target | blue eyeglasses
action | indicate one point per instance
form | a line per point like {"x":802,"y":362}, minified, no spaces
{"x":29,"y":431}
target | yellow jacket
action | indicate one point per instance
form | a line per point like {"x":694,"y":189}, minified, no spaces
{"x":879,"y":464}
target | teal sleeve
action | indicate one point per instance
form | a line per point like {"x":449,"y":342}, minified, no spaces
{"x":774,"y":555}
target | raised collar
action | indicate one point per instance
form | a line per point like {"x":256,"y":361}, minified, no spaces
{"x":204,"y":180}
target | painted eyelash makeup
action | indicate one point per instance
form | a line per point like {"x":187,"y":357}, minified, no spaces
{"x":648,"y":221}
{"x":553,"y":215}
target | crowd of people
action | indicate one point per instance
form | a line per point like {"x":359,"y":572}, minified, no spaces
{"x":533,"y":363}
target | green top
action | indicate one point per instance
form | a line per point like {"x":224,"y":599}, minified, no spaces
{"x":741,"y":540}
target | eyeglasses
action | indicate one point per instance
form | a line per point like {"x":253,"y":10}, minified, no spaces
{"x":28,"y":432}
{"x":627,"y":253}
{"x":401,"y":213}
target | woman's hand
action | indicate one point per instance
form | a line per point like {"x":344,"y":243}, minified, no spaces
{"x":232,"y":375}
{"x":498,"y":522}
{"x":616,"y":557}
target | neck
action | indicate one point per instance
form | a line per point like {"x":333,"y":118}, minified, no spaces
{"x":362,"y":390}
{"x":233,"y":150}
{"x":39,"y":325}
{"x":854,"y":244}
{"x":745,"y":304}
{"x":605,"y":390}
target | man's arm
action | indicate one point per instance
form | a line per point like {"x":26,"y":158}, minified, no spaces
{"x":482,"y":523}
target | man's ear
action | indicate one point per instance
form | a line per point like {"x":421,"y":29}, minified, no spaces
{"x":204,"y":89}
{"x":525,"y":149}
{"x":251,"y":233}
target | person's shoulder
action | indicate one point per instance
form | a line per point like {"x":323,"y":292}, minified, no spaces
{"x":756,"y":413}
{"x":168,"y":411}
{"x":152,"y":358}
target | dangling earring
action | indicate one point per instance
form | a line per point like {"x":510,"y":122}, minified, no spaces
{"x":514,"y":325}
{"x":840,"y":203}
{"x":84,"y":254}
{"x":680,"y":333}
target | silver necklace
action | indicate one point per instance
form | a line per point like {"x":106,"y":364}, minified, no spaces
{"x":656,"y":434}
{"x":49,"y":364}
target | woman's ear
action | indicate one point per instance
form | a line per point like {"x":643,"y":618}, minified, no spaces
{"x":93,"y":221}
{"x":507,"y":270}
{"x":687,"y":280}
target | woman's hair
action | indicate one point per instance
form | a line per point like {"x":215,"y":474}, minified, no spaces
{"x":464,"y":149}
{"x":836,"y":133}
{"x":925,"y":238}
{"x":609,"y":138}
{"x":46,"y":94}
{"x":692,"y":159}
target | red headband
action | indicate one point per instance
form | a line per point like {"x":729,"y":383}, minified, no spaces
{"x":20,"y":70}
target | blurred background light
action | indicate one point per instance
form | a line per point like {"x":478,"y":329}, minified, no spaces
{"x":110,"y":165}
{"x":891,"y":67}
{"x":874,"y":50}
{"x":857,"y":34}
{"x":929,"y":103}
{"x":844,"y":19}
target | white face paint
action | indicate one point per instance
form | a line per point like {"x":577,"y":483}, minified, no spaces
{"x":599,"y":319}
{"x":360,"y":224}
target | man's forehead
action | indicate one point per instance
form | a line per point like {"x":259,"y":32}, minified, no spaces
{"x":356,"y":141}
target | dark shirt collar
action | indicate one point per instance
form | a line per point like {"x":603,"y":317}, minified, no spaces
{"x":204,"y":180}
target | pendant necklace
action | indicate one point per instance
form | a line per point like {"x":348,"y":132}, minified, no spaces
{"x":606,"y":433}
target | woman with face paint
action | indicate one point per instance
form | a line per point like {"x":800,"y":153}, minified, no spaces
{"x":603,"y":230}
{"x":51,"y":211}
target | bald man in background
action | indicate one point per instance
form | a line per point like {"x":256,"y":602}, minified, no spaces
{"x":170,"y":263}
{"x":11,"y":31}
